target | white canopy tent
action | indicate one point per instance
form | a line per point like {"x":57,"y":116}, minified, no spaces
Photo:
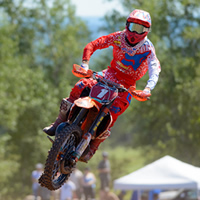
{"x":166,"y":173}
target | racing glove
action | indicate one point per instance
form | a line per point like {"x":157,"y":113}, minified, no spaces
{"x":82,"y":71}
{"x":140,"y":95}
{"x":85,"y":66}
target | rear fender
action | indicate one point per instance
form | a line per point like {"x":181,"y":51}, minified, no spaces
{"x":86,"y":102}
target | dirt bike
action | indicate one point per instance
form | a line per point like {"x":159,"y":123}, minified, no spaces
{"x":87,"y":119}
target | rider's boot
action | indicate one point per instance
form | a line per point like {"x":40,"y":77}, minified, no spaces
{"x":94,"y":144}
{"x":64,"y":108}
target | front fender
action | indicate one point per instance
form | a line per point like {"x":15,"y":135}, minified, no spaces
{"x":60,"y":127}
{"x":86,"y":102}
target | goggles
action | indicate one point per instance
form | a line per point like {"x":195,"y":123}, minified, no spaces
{"x":133,"y":27}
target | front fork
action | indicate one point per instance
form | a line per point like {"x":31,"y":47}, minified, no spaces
{"x":88,"y":136}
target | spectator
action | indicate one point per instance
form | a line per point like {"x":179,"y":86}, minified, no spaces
{"x":121,"y":195}
{"x":29,"y":197}
{"x":108,"y":195}
{"x":76,"y":177}
{"x":35,"y":176}
{"x":88,"y":183}
{"x":44,"y":193}
{"x":155,"y":196}
{"x":55,"y":195}
{"x":104,"y":173}
{"x":67,"y":191}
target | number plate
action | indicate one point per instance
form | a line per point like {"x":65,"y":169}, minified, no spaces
{"x":103,"y":93}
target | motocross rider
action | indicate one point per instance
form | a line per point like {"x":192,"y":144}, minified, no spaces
{"x":133,"y":56}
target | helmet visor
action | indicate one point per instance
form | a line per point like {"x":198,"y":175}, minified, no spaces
{"x":133,"y":27}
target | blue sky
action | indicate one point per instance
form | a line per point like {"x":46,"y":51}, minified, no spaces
{"x":88,"y":8}
{"x":96,"y":8}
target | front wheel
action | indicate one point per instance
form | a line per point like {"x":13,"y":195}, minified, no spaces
{"x":59,"y":157}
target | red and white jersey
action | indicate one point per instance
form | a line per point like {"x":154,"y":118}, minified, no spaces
{"x":129,"y":63}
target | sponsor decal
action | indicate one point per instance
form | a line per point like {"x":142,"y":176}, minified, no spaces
{"x":135,"y":61}
{"x":120,"y":69}
{"x":121,"y":65}
{"x":80,"y":85}
{"x":128,"y":51}
{"x":115,"y":109}
{"x":100,"y":120}
{"x":83,"y":145}
{"x":104,"y":135}
{"x":128,"y":98}
{"x":117,"y":42}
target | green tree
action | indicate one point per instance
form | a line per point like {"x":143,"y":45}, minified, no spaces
{"x":24,"y":99}
{"x":39,"y":43}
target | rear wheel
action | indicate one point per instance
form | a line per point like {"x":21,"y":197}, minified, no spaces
{"x":59,"y":165}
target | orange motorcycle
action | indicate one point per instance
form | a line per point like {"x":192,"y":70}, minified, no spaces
{"x":89,"y":118}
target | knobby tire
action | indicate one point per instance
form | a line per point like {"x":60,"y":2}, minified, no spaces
{"x":72,"y":134}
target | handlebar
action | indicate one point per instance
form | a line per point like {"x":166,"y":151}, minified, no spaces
{"x":82,"y":73}
{"x":100,"y":78}
{"x":120,"y":87}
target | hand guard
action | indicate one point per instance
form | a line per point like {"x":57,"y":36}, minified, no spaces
{"x":80,"y":72}
{"x":140,"y":95}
